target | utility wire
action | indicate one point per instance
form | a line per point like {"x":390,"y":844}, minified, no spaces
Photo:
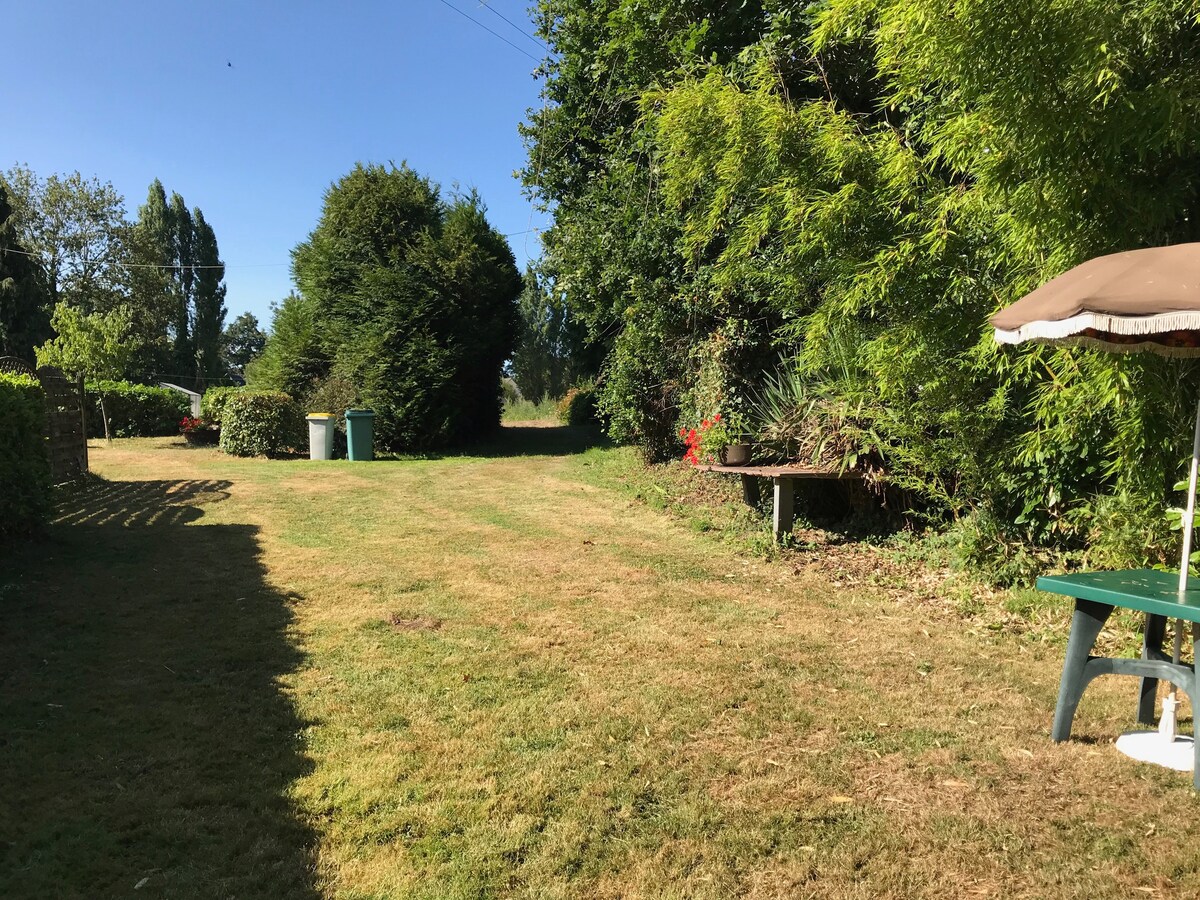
{"x":532,"y":37}
{"x":488,"y":30}
{"x":178,"y":267}
{"x":157,"y":265}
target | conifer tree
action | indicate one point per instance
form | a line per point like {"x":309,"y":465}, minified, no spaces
{"x":410,"y":298}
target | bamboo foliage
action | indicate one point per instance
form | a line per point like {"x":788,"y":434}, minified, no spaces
{"x":865,"y":182}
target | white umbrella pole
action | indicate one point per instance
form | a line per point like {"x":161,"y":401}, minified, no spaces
{"x":1166,"y":725}
{"x":1190,"y":516}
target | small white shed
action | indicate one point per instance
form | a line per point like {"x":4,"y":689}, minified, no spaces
{"x":193,"y":397}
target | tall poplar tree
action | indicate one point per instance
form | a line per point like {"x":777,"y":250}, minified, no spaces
{"x":188,"y":283}
{"x":182,"y":246}
{"x":209,"y":300}
{"x":152,"y":282}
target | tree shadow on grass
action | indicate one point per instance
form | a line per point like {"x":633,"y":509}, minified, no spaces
{"x":145,"y":740}
{"x":533,"y":440}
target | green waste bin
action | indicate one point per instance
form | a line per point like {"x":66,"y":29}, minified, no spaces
{"x":359,"y":434}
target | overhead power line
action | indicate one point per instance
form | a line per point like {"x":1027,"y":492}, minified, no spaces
{"x":494,"y":34}
{"x":532,"y":37}
{"x":177,"y":266}
{"x":38,"y":256}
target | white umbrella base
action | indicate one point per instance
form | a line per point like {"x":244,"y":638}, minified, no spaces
{"x":1152,"y":747}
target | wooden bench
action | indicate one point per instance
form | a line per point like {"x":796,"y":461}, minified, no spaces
{"x":1096,"y":595}
{"x":783,"y":478}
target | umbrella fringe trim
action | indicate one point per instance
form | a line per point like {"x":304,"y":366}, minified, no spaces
{"x":1127,"y":325}
{"x":1083,"y":340}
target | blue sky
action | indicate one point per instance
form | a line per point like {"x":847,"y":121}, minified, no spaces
{"x":132,"y":91}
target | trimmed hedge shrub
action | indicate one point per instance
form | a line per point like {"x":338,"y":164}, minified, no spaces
{"x":24,"y":465}
{"x":261,"y":423}
{"x":134,"y":410}
{"x":212,"y":404}
{"x":578,"y":407}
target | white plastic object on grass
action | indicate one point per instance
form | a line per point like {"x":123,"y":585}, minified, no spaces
{"x":1152,"y":747}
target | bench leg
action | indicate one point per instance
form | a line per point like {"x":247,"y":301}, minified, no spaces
{"x":783,"y":507}
{"x":1148,"y":687}
{"x":1089,"y":618}
{"x":750,"y":492}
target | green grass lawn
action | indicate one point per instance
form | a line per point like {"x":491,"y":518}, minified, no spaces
{"x":506,"y":676}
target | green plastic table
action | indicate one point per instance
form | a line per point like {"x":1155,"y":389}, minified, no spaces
{"x":1096,"y":595}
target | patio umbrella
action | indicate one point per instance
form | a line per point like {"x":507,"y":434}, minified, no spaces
{"x":1132,"y":302}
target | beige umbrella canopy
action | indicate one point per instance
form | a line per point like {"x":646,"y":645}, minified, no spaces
{"x":1124,"y":302}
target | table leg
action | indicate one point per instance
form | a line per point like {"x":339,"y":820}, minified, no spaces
{"x":1089,"y":618}
{"x":750,"y":492}
{"x":1148,"y":687}
{"x":783,"y":507}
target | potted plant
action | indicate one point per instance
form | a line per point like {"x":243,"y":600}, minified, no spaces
{"x":737,"y":449}
{"x":718,"y":440}
{"x":196,"y":431}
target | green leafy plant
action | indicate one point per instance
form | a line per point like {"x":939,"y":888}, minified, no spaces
{"x":579,"y":407}
{"x":334,"y":394}
{"x":24,"y":465}
{"x":704,"y":443}
{"x":640,"y":396}
{"x":708,"y":441}
{"x":509,"y":393}
{"x":214,"y":401}
{"x":861,"y":184}
{"x":816,"y":422}
{"x":96,"y":346}
{"x":261,"y":423}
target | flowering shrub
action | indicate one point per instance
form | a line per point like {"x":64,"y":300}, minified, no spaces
{"x":192,"y":424}
{"x":704,"y":444}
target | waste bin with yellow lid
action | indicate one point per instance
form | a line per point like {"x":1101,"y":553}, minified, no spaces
{"x":320,"y":435}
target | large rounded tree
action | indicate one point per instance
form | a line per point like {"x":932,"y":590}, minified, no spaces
{"x":414,"y":300}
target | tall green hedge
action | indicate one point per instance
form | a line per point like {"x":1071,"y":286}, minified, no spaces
{"x":24,"y":465}
{"x":134,"y":410}
{"x":261,"y":423}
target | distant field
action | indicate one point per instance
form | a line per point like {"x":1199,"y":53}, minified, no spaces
{"x":524,"y":411}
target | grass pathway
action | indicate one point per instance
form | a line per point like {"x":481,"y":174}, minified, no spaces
{"x":499,"y":676}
